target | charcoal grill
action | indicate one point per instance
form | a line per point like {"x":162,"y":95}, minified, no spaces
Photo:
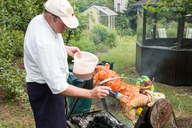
{"x":99,"y":118}
{"x":84,"y":120}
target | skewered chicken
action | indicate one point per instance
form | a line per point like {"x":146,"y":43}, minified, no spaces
{"x":137,"y":96}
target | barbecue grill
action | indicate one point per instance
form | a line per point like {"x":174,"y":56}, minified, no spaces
{"x":156,"y":116}
{"x":94,"y":118}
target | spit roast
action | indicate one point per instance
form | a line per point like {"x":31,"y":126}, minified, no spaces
{"x":137,"y":96}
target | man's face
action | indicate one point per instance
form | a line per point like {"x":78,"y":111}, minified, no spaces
{"x":58,"y":26}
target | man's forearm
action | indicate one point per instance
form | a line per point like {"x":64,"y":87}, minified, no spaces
{"x":73,"y":91}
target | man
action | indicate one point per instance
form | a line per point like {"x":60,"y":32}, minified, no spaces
{"x":45,"y":60}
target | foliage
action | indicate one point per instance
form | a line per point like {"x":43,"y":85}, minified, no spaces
{"x":12,"y":80}
{"x":169,"y":7}
{"x":99,"y":34}
{"x":171,"y":32}
{"x":127,"y":21}
{"x":11,"y":43}
{"x":171,"y":29}
{"x":111,"y":40}
{"x":123,"y":25}
{"x":17,"y":14}
{"x":103,"y":38}
{"x":14,"y":18}
{"x":84,"y":44}
{"x":131,"y":14}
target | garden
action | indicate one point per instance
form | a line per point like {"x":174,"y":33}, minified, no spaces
{"x":117,"y":46}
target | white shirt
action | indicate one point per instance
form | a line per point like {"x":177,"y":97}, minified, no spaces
{"x":45,"y":56}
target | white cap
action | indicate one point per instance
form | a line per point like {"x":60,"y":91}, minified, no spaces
{"x":62,"y":9}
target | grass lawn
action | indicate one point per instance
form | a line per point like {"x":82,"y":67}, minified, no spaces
{"x":13,"y":115}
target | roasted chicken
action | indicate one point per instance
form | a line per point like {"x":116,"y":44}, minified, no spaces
{"x":137,"y":96}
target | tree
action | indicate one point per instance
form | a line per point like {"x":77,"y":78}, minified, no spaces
{"x":131,"y":14}
{"x":169,"y":7}
{"x":16,"y":14}
{"x":127,"y":21}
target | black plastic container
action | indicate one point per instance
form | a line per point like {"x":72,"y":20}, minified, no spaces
{"x":111,"y":64}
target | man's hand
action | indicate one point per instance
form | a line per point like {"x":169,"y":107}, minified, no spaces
{"x":72,"y":50}
{"x":99,"y":92}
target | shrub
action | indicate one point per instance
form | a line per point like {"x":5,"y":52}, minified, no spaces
{"x":18,"y":13}
{"x":11,"y":43}
{"x":112,"y":38}
{"x":125,"y":32}
{"x":12,"y":80}
{"x":124,"y":27}
{"x":171,"y":32}
{"x":99,"y":33}
{"x":85,"y":44}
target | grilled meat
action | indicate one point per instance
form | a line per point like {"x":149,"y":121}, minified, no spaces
{"x":137,"y":96}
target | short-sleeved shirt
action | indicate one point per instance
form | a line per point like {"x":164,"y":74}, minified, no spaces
{"x":45,"y":56}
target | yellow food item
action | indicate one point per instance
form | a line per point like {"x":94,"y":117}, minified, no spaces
{"x":138,"y":111}
{"x":158,"y":94}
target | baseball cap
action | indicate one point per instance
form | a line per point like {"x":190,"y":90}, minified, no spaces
{"x":64,"y":10}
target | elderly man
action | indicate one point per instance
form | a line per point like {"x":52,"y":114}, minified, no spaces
{"x":45,"y":60}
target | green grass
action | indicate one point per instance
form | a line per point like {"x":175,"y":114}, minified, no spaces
{"x":123,"y":55}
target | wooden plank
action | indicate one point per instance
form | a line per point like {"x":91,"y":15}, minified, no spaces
{"x":180,"y":71}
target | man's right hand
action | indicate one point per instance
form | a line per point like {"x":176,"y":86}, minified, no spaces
{"x":99,"y":92}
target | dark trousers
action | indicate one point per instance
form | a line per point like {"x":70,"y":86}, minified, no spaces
{"x":48,"y":108}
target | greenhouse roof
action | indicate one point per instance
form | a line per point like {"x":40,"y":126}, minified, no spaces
{"x":104,"y":9}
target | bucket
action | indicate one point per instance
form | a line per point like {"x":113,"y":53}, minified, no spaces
{"x":84,"y":65}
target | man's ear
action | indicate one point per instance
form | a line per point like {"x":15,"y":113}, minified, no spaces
{"x":49,"y":18}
